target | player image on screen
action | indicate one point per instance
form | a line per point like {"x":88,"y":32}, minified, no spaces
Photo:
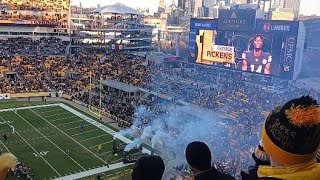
{"x":256,"y":60}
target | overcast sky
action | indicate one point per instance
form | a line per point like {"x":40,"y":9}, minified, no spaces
{"x":307,"y":7}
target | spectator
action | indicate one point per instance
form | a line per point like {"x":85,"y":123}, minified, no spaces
{"x":7,"y":162}
{"x":148,"y":167}
{"x":198,"y":156}
{"x":291,"y":137}
{"x":5,"y":137}
{"x":99,"y":177}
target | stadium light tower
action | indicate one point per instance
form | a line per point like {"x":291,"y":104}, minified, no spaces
{"x":90,"y":79}
{"x":178,"y":44}
{"x":100,"y":94}
{"x":159,"y":40}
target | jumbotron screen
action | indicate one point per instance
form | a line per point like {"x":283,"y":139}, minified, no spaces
{"x":269,"y":50}
{"x":35,"y":12}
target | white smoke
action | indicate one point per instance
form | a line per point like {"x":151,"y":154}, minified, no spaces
{"x":175,"y":130}
{"x":135,"y":144}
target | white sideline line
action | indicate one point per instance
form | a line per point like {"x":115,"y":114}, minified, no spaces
{"x":56,"y":114}
{"x":93,"y":137}
{"x":34,"y":150}
{"x":116,"y":160}
{"x":42,"y":112}
{"x":85,"y":132}
{"x":94,"y":171}
{"x":63,"y":118}
{"x":50,"y":141}
{"x":29,"y":107}
{"x":101,"y":144}
{"x":68,"y":136}
{"x":77,"y":127}
{"x":68,"y":122}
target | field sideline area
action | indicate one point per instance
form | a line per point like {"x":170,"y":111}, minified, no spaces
{"x":44,"y":133}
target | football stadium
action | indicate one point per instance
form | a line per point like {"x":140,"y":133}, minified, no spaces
{"x":58,"y":149}
{"x":194,"y":90}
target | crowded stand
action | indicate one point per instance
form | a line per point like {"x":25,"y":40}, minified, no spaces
{"x":245,"y":105}
{"x":22,"y":171}
{"x":56,"y":12}
{"x":28,"y":46}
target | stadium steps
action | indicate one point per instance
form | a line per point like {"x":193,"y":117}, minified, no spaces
{"x":43,"y":66}
{"x":9,"y":65}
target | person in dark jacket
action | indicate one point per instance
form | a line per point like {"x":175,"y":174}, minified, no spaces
{"x":150,"y":167}
{"x":198,"y":156}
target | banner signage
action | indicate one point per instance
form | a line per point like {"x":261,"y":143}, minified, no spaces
{"x":5,"y":96}
{"x":237,"y":20}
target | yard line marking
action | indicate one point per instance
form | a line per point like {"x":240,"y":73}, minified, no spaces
{"x":5,"y":146}
{"x":56,"y":114}
{"x":68,"y":122}
{"x":77,"y":127}
{"x":42,"y":112}
{"x":105,"y":153}
{"x":109,"y":156}
{"x":102,"y":144}
{"x":93,"y":137}
{"x":34,"y":150}
{"x":68,"y":136}
{"x":50,"y":141}
{"x":84,"y":132}
{"x":63,"y":118}
{"x":101,"y":126}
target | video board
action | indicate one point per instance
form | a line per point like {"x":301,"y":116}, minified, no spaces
{"x":269,"y":49}
{"x":54,"y":13}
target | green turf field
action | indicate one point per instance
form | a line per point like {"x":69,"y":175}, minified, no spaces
{"x":44,"y":134}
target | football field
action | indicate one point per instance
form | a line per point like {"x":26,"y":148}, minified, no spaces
{"x":48,"y":139}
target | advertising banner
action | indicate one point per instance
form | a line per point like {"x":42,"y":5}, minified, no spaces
{"x":268,"y":50}
{"x":203,"y":24}
{"x":5,"y":96}
{"x":237,"y":20}
{"x":288,"y":27}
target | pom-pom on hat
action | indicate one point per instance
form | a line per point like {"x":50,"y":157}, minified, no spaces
{"x":291,"y":133}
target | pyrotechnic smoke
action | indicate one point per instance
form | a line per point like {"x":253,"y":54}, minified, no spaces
{"x":174,"y":130}
{"x":135,"y":144}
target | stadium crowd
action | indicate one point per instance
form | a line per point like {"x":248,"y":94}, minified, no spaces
{"x":28,"y":46}
{"x":222,"y":91}
{"x":41,"y":65}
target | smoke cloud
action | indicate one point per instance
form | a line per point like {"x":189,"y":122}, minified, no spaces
{"x":174,"y":130}
{"x":136,"y":143}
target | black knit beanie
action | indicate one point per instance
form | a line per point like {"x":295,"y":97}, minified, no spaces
{"x":150,"y":167}
{"x":198,"y":156}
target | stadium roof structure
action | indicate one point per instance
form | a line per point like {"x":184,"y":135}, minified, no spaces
{"x":116,"y":9}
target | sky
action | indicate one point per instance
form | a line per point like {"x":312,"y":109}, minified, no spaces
{"x":307,"y":7}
